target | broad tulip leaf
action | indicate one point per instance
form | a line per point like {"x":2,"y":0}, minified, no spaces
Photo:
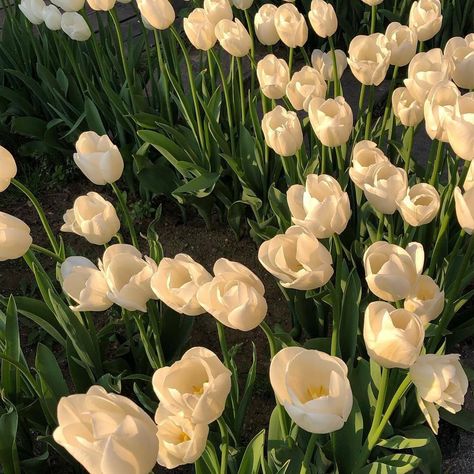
{"x":8,"y":451}
{"x":251,"y":460}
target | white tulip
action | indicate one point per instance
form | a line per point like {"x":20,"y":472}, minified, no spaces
{"x":159,"y":13}
{"x":218,"y":10}
{"x":33,"y":10}
{"x":406,"y":108}
{"x":365,"y":156}
{"x":200,"y":29}
{"x":461,"y":53}
{"x":460,"y":127}
{"x":304,"y":86}
{"x":402,"y":43}
{"x":426,"y":300}
{"x":420,"y":205}
{"x":425,"y":18}
{"x":291,"y":26}
{"x":264,"y":24}
{"x":74,"y":26}
{"x":8,"y":168}
{"x":273,"y":76}
{"x":52,"y":17}
{"x":15,"y":238}
{"x":323,"y":62}
{"x":323,"y":18}
{"x":233,"y":37}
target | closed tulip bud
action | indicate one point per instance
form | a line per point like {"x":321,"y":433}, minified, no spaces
{"x":273,"y":76}
{"x":402,"y":43}
{"x":391,"y":272}
{"x":304,"y":86}
{"x":439,"y":106}
{"x":101,"y":5}
{"x":426,"y":299}
{"x":74,"y":26}
{"x":323,"y":18}
{"x":461,"y":53}
{"x":264,"y":24}
{"x":52,"y":17}
{"x":85,"y":284}
{"x":235,"y":296}
{"x":70,"y":5}
{"x":33,"y":10}
{"x":200,"y":30}
{"x":297,"y":259}
{"x":282,"y":131}
{"x":425,"y":71}
{"x":321,"y":206}
{"x":369,"y":58}
{"x":365,"y":156}
{"x":93,"y":218}
{"x":406,"y":108}
{"x":393,"y":337}
{"x":331,"y":120}
{"x":323,"y":63}
{"x":233,"y":37}
{"x":128,"y":276}
{"x":465,"y":209}
{"x":177,"y":281}
{"x":425,"y":18}
{"x":420,"y":205}
{"x":291,"y":26}
{"x":195,"y":387}
{"x":385,"y":187}
{"x":218,"y":10}
{"x":440,"y":382}
{"x":372,"y":2}
{"x":159,"y":13}
{"x":313,"y":388}
{"x":460,"y":127}
{"x":106,"y":432}
{"x":15,"y":239}
{"x":8,"y":168}
{"x":179,"y":440}
{"x":242,"y":4}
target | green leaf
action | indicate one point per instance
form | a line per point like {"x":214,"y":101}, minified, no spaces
{"x":200,"y":187}
{"x":94,"y":121}
{"x":280,"y":207}
{"x":251,"y":460}
{"x":8,"y":451}
{"x":393,"y":464}
{"x":247,"y":393}
{"x":463,"y":419}
{"x":400,"y":442}
{"x":10,"y":377}
{"x":430,"y":453}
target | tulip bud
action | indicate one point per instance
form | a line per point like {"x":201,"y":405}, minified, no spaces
{"x":74,"y":25}
{"x":420,"y":205}
{"x":69,"y":5}
{"x":365,"y":156}
{"x":177,"y":281}
{"x":200,"y":30}
{"x":313,"y":388}
{"x":8,"y":168}
{"x":393,"y":337}
{"x":323,"y":63}
{"x":15,"y":239}
{"x":235,"y":296}
{"x":233,"y":37}
{"x":264,"y":24}
{"x":218,"y":10}
{"x":52,"y":17}
{"x":93,"y":218}
{"x":282,"y":131}
{"x":372,"y":2}
{"x":402,"y":43}
{"x":425,"y":18}
{"x":273,"y":76}
{"x":465,"y":209}
{"x":128,"y":276}
{"x":406,"y":108}
{"x":291,"y":26}
{"x":106,"y":432}
{"x":195,"y":387}
{"x":159,"y":13}
{"x":331,"y":120}
{"x":320,"y":207}
{"x":323,"y":18}
{"x":33,"y":10}
{"x":369,"y":58}
{"x":101,"y":5}
{"x":461,"y":53}
{"x":304,"y":86}
{"x":85,"y":284}
{"x":460,"y":127}
{"x":242,"y":4}
{"x":426,"y":299}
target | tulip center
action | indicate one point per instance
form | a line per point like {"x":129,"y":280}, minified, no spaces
{"x":315,"y":392}
{"x":183,"y":437}
{"x":198,"y":389}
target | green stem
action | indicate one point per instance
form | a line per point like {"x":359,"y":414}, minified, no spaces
{"x":39,"y":249}
{"x":373,"y":19}
{"x":337,"y":83}
{"x":241,"y":90}
{"x":290,"y":60}
{"x":153,"y":320}
{"x":126,"y":214}
{"x":437,"y":164}
{"x":380,"y":400}
{"x":370,"y":106}
{"x":150,"y":353}
{"x":335,"y":349}
{"x":305,"y":467}
{"x":224,"y":445}
{"x":380,"y":227}
{"x":388,"y":105}
{"x":252,"y":48}
{"x":163,"y":71}
{"x":210,"y":63}
{"x":411,"y":135}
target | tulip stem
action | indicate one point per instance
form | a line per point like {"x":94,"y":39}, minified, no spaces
{"x":370,"y":106}
{"x":290,"y":60}
{"x":252,"y":47}
{"x":410,"y":134}
{"x":380,"y":227}
{"x":380,"y":400}
{"x":228,"y":363}
{"x":241,"y":90}
{"x":373,"y":19}
{"x":305,"y":467}
{"x":224,"y":445}
{"x":337,"y":84}
{"x":39,"y":249}
{"x":437,"y":163}
{"x":163,"y":71}
{"x":335,"y":349}
{"x":388,"y":104}
{"x":126,"y":214}
{"x":151,"y":355}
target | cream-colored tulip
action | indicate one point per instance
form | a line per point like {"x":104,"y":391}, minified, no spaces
{"x":242,"y":4}
{"x":420,"y":205}
{"x":331,"y":120}
{"x":385,"y":186}
{"x":179,"y":440}
{"x":291,"y":26}
{"x":313,"y":388}
{"x":369,"y":58}
{"x":469,"y":181}
{"x":85,"y":284}
{"x":70,"y":5}
{"x":393,"y":337}
{"x":426,"y":70}
{"x":273,"y":76}
{"x":323,"y":18}
{"x":218,"y":10}
{"x":391,"y":272}
{"x":233,"y":37}
{"x":235,"y":296}
{"x":440,"y":382}
{"x":106,"y":433}
{"x":196,"y":386}
{"x":98,"y":158}
{"x":402,"y":43}
{"x":33,"y":10}
{"x":297,"y":259}
{"x":460,"y":127}
{"x":439,"y":107}
{"x":304,"y":86}
{"x":264,"y":24}
{"x":461,"y":53}
{"x":426,"y":299}
{"x":8,"y":168}
{"x":128,"y":276}
{"x":406,"y":108}
{"x":323,"y":63}
{"x":425,"y":18}
{"x":200,"y":29}
{"x":282,"y":131}
{"x":372,"y":2}
{"x":159,"y":13}
{"x":365,"y":156}
{"x":321,"y":206}
{"x":15,"y":238}
{"x":465,"y":209}
{"x":93,"y":218}
{"x":52,"y":17}
{"x":177,"y":281}
{"x":101,"y":5}
{"x":74,"y":26}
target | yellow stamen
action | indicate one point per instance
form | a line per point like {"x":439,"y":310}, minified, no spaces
{"x":317,"y":392}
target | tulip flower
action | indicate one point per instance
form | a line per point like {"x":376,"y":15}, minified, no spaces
{"x":425,"y":18}
{"x":304,"y":86}
{"x":233,"y":37}
{"x":159,"y":13}
{"x":218,"y":10}
{"x":323,"y":18}
{"x":264,"y":25}
{"x":242,"y":4}
{"x":402,"y":43}
{"x":8,"y":168}
{"x":33,"y":10}
{"x":365,"y":156}
{"x":420,"y":205}
{"x":406,"y":108}
{"x":200,"y":29}
{"x":469,"y":181}
{"x":15,"y":239}
{"x":74,"y":25}
{"x":465,"y":209}
{"x":426,"y":300}
{"x":291,"y":26}
{"x":69,"y":5}
{"x":52,"y":17}
{"x":273,"y":76}
{"x":323,"y":63}
{"x":460,"y":127}
{"x":461,"y":53}
{"x":101,"y":5}
{"x":372,"y":2}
